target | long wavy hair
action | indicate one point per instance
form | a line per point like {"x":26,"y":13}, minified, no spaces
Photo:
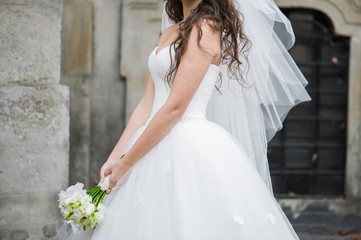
{"x":224,"y":17}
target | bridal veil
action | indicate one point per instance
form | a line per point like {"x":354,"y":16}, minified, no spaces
{"x":274,"y":84}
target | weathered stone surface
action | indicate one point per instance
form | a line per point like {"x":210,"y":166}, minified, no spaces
{"x":27,"y":112}
{"x":353,"y":163}
{"x":34,"y":158}
{"x":79,"y":127}
{"x":107,"y":86}
{"x":49,"y":230}
{"x":28,"y":214}
{"x":19,"y":235}
{"x":140,"y":34}
{"x":34,"y":119}
{"x":77,"y":37}
{"x":30,"y":53}
{"x":322,"y":218}
{"x":97,"y":97}
{"x":49,"y":3}
{"x":345,"y":15}
{"x":76,"y":64}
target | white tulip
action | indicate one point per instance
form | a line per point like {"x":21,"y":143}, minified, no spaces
{"x":79,"y":185}
{"x":85,"y":199}
{"x":89,"y":209}
{"x":77,"y":215}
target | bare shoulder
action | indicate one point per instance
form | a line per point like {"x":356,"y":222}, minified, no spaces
{"x":209,"y":27}
{"x":210,"y":38}
{"x":168,"y":34}
{"x":172,"y":28}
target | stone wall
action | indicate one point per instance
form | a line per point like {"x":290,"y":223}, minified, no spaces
{"x":34,"y":119}
{"x":90,"y":67}
{"x":141,"y":21}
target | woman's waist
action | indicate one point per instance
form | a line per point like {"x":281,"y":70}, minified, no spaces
{"x":189,"y":117}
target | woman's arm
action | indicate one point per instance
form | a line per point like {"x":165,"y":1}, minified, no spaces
{"x":192,"y":69}
{"x":136,"y":120}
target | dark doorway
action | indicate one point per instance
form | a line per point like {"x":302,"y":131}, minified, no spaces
{"x":307,"y":157}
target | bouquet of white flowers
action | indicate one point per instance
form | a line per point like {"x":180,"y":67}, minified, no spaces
{"x":83,"y":209}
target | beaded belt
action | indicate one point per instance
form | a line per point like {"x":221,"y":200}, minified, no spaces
{"x":184,"y":118}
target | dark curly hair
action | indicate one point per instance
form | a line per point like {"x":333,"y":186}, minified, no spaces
{"x":221,"y":15}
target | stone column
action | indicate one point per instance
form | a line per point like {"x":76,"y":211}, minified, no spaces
{"x":77,"y":52}
{"x":353,"y":164}
{"x":91,"y":36}
{"x":107,"y":87}
{"x":34,"y":119}
{"x":142,"y":22}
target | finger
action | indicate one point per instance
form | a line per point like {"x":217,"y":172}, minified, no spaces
{"x":109,"y":190}
{"x":105,"y":173}
{"x":111,"y":185}
{"x":101,"y":174}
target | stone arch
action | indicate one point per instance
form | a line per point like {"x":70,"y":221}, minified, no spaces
{"x":345,"y":15}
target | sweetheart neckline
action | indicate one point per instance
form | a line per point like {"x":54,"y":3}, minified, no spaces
{"x":156,"y":54}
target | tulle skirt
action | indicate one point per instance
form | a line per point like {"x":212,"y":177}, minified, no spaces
{"x":196,"y":184}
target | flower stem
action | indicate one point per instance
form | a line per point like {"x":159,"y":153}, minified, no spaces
{"x":98,"y":200}
{"x":92,"y":190}
{"x":97,"y":195}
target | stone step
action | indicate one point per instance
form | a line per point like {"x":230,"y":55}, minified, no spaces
{"x":324,"y":222}
{"x":307,"y":236}
{"x":325,"y":227}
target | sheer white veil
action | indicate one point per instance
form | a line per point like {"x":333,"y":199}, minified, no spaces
{"x":253,"y":115}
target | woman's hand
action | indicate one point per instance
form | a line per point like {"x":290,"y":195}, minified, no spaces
{"x":106,"y":169}
{"x":117,"y":170}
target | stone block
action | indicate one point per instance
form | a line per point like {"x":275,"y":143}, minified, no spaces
{"x":142,"y":22}
{"x":34,"y":155}
{"x":29,"y":215}
{"x":77,"y":37}
{"x":79,"y":127}
{"x":29,"y":43}
{"x":34,"y":145}
{"x":56,"y":4}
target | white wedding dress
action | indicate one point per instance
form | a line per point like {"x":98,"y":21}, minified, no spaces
{"x":196,"y":184}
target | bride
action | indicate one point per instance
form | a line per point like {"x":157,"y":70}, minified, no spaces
{"x":195,"y":166}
